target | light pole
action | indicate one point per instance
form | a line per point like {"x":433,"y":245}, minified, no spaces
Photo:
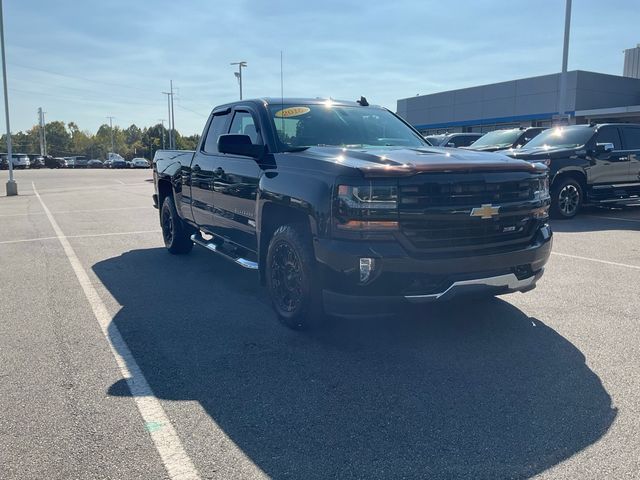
{"x":12,"y":186}
{"x":238,"y":74}
{"x":111,"y":129}
{"x":169,"y":95}
{"x":562,"y":96}
{"x":161,"y":120}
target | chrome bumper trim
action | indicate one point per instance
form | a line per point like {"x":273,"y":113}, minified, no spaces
{"x":508,"y":281}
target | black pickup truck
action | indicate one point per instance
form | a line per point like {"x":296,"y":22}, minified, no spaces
{"x":343,"y":208}
{"x":589,"y":164}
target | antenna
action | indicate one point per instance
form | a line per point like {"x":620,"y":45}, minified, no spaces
{"x":282,"y":90}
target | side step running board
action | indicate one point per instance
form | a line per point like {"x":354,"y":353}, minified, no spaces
{"x":209,"y":245}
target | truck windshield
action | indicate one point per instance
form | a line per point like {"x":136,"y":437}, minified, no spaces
{"x":498,"y":138}
{"x":300,"y":126}
{"x":562,"y":137}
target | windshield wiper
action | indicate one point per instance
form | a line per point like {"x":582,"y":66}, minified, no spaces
{"x":295,"y":149}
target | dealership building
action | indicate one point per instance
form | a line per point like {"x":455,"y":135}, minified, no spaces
{"x":530,"y":101}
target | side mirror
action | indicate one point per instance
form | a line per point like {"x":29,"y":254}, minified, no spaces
{"x":604,"y":147}
{"x":234,"y":144}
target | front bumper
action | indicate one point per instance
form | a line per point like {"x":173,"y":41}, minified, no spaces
{"x":400,"y":279}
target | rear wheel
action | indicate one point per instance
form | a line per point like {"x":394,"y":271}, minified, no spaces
{"x":292,"y":279}
{"x":176,"y":235}
{"x":566,"y":198}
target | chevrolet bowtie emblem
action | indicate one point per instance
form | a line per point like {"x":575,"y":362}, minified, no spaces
{"x":485,"y":211}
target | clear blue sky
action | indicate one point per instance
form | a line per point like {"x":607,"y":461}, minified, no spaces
{"x":84,"y":60}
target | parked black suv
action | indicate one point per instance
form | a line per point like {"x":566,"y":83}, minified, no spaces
{"x":505,"y":139}
{"x":342,"y":206}
{"x":596,"y":164}
{"x":453,"y":140}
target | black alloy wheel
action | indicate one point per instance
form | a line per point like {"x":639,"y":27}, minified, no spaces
{"x":566,"y":199}
{"x":291,"y":275}
{"x":175,"y":233}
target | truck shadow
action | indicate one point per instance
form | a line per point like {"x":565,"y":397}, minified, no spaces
{"x":595,"y":219}
{"x":456,"y":391}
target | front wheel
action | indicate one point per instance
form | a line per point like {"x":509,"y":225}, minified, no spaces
{"x":566,"y":198}
{"x":176,"y":235}
{"x":292,"y":281}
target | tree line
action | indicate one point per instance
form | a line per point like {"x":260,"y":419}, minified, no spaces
{"x":66,"y":140}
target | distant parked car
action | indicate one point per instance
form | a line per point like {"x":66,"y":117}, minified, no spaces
{"x":37,"y":162}
{"x":19,"y":160}
{"x":505,"y":139}
{"x":129,"y":163}
{"x":108,"y":163}
{"x":54,"y":162}
{"x":81,"y":162}
{"x":455,"y":140}
{"x":118,"y":163}
{"x":94,"y":163}
{"x":140,"y":163}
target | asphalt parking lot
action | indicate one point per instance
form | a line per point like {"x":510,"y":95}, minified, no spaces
{"x":537,"y":385}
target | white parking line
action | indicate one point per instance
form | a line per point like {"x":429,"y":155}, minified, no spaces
{"x":86,"y":235}
{"x":606,"y":262}
{"x":91,"y":187}
{"x":119,"y":181}
{"x":165,"y":438}
{"x":76,"y":211}
{"x":637,"y":220}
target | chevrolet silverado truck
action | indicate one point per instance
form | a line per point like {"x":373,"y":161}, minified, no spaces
{"x":589,"y":164}
{"x":343,"y":208}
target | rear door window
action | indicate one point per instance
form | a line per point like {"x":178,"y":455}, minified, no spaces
{"x":631,"y":137}
{"x":217,"y":127}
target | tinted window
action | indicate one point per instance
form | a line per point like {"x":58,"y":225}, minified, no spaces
{"x":530,"y":135}
{"x":498,"y":138}
{"x":631,"y":138}
{"x":243,"y":124}
{"x":463,"y":140}
{"x":340,"y":125}
{"x":562,"y":137}
{"x":216,"y":128}
{"x":609,"y":135}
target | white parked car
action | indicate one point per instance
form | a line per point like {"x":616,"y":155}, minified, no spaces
{"x":20,"y":160}
{"x":140,"y":163}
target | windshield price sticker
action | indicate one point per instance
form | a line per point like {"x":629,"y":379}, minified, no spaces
{"x":292,"y":112}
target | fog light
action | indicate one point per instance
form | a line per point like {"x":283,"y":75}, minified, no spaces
{"x":366,"y":268}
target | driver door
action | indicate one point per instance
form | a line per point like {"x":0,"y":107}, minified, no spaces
{"x":235,"y":185}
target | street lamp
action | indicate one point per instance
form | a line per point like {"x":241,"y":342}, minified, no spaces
{"x":111,"y":129}
{"x":12,"y":186}
{"x":238,"y":74}
{"x":563,"y":118}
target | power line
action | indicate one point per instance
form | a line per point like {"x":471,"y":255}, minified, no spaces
{"x":82,"y":99}
{"x":192,"y":111}
{"x":78,"y":77}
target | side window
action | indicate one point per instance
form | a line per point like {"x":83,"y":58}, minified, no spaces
{"x":243,"y":124}
{"x":631,"y":138}
{"x":609,"y":135}
{"x":530,"y":135}
{"x":216,"y":128}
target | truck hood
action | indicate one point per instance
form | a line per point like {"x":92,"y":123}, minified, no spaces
{"x":399,"y":161}
{"x":540,"y":153}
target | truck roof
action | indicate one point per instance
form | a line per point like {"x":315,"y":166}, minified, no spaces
{"x":292,"y":100}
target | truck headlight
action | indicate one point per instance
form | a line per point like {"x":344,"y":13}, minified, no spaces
{"x":542,"y":189}
{"x":370,"y":207}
